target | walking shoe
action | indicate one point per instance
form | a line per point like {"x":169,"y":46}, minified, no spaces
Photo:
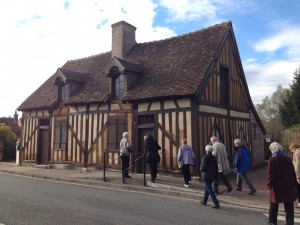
{"x":190,"y":182}
{"x":238,"y":189}
{"x":153,"y":181}
{"x":215,"y":207}
{"x":268,"y":222}
{"x":229,"y":190}
{"x":202,"y":203}
{"x":251,"y":192}
{"x":186,"y":185}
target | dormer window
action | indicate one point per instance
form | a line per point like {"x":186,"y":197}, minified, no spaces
{"x":123,"y":76}
{"x":61,"y":90}
{"x":119,"y":86}
{"x":67,"y":82}
{"x":62,"y":93}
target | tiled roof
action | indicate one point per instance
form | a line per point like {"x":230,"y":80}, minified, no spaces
{"x":176,"y":66}
{"x":72,"y":75}
{"x":170,"y":67}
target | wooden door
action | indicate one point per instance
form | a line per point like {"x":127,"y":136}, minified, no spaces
{"x":43,"y":150}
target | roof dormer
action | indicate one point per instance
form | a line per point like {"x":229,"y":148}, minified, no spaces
{"x":67,"y":82}
{"x":124,"y":75}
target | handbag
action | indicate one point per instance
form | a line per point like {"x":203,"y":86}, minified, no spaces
{"x":180,"y":164}
{"x":129,"y":150}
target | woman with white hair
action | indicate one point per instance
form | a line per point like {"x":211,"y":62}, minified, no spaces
{"x":125,"y":151}
{"x":281,"y":184}
{"x":209,"y":172}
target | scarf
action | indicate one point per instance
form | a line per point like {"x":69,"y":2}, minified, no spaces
{"x":277,"y":152}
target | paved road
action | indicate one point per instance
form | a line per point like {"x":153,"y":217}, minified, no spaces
{"x":41,"y":202}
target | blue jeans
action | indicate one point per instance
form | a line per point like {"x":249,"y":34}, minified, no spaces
{"x":209,"y":192}
{"x":243,"y":176}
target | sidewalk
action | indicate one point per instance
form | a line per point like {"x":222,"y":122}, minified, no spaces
{"x":170,"y":185}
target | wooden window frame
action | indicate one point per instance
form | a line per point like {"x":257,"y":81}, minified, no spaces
{"x":60,"y":135}
{"x":118,"y":86}
{"x":224,"y":86}
{"x":62,"y":93}
{"x":117,"y":125}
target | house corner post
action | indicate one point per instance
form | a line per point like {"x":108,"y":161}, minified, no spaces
{"x":85,"y":161}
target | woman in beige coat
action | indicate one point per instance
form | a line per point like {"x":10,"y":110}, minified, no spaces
{"x":296,"y":162}
{"x":220,"y":152}
{"x":125,"y":151}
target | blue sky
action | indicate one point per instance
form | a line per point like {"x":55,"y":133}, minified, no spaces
{"x":38,"y":36}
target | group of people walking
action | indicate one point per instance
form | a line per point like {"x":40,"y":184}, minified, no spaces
{"x":213,"y":165}
{"x":283,"y":181}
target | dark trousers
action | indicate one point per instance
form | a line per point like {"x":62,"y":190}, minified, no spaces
{"x":243,"y":176}
{"x":125,"y":164}
{"x":153,"y":169}
{"x":186,"y":173}
{"x":224,"y":180}
{"x":209,"y":192}
{"x":289,"y":213}
{"x":298,"y":192}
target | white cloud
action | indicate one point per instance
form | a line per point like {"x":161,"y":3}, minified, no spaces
{"x":208,"y":11}
{"x":263,"y":78}
{"x":280,"y":54}
{"x":286,"y":38}
{"x":39,"y":36}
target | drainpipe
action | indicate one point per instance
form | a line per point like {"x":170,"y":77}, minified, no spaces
{"x":86,"y":137}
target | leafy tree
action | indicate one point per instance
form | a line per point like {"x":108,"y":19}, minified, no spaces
{"x":289,"y":111}
{"x":268,"y":111}
{"x":8,"y":139}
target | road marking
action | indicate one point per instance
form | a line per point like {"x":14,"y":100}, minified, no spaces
{"x":282,"y":218}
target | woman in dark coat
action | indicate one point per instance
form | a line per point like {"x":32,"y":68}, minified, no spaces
{"x":209,"y":173}
{"x":281,"y":184}
{"x":152,"y":156}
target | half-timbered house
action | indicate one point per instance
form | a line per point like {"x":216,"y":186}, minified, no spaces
{"x":189,"y":86}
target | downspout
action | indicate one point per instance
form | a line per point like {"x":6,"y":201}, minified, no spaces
{"x":85,"y":162}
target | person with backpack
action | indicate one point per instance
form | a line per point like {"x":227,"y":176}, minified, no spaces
{"x":241,"y":166}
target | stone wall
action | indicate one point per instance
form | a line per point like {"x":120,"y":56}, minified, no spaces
{"x":257,"y":142}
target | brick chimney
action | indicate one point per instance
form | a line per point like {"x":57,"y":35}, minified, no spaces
{"x":16,"y":116}
{"x":123,"y":38}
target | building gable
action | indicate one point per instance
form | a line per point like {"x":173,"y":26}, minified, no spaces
{"x":225,"y":84}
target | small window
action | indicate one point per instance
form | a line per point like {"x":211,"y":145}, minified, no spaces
{"x":61,"y":93}
{"x":224,"y":86}
{"x":119,"y":86}
{"x":145,"y":119}
{"x":60,"y":141}
{"x":44,"y":122}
